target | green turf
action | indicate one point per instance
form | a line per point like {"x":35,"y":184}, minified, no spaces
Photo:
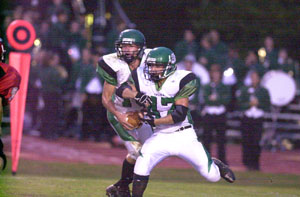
{"x":60,"y":179}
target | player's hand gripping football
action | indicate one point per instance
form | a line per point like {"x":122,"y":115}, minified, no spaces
{"x":148,"y":119}
{"x":122,"y":118}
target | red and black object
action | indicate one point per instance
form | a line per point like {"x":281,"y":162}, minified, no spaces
{"x":20,"y":35}
{"x":10,"y":80}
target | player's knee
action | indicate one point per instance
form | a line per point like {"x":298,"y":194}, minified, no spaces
{"x":133,"y":154}
{"x":142,"y":166}
{"x":131,"y":158}
{"x":133,"y":148}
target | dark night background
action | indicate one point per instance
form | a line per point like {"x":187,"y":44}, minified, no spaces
{"x":244,"y":23}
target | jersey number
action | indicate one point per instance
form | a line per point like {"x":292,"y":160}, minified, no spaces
{"x":164,"y":102}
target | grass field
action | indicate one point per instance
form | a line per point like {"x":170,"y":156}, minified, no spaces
{"x":62,"y":179}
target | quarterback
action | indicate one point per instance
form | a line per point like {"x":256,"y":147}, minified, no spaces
{"x":116,"y":69}
{"x":170,"y":119}
{"x":9,"y":85}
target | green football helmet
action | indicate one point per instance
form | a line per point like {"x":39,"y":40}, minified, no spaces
{"x":130,"y":36}
{"x":160,"y":57}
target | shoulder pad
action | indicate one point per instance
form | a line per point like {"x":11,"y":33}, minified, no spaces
{"x":114,"y":62}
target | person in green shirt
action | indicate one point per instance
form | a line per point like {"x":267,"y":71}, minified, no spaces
{"x":186,"y":46}
{"x":217,"y":97}
{"x":254,"y":101}
{"x":206,"y":55}
{"x":270,"y":59}
{"x":286,"y":64}
{"x":252,"y":63}
{"x":220,"y":49}
{"x":90,"y":89}
{"x":53,"y":77}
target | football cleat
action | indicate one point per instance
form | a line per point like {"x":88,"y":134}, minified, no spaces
{"x":225,"y":171}
{"x":117,"y":191}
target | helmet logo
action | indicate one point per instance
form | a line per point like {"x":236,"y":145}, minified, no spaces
{"x":151,"y":59}
{"x":128,"y":40}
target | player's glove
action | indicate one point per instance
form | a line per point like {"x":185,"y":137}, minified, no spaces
{"x":142,"y":99}
{"x":148,"y":119}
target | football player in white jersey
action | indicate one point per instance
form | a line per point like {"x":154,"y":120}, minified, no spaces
{"x":116,"y":69}
{"x":170,"y":119}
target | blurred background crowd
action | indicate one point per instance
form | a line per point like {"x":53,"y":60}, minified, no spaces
{"x":64,"y":92}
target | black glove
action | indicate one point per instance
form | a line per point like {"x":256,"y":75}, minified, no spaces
{"x":148,"y":119}
{"x":2,"y":155}
{"x":142,"y":99}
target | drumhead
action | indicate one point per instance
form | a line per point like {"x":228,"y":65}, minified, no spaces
{"x":281,"y":86}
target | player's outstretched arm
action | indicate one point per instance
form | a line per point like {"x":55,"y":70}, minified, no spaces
{"x":128,"y":91}
{"x":107,"y":94}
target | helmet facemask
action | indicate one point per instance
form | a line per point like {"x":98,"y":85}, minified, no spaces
{"x":158,"y":74}
{"x":129,"y":56}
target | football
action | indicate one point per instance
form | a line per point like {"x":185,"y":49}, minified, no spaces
{"x":133,"y":119}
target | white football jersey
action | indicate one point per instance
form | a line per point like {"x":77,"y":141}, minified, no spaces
{"x":163,"y":98}
{"x":122,"y":73}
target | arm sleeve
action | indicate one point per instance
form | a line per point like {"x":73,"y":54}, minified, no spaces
{"x":107,"y":73}
{"x":188,"y":86}
{"x":195,"y":100}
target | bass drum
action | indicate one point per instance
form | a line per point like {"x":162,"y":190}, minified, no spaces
{"x":281,"y":86}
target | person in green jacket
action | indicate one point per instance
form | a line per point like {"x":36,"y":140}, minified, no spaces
{"x":217,"y":97}
{"x":254,"y":101}
{"x":92,"y":109}
{"x":53,"y":77}
{"x":186,"y":46}
{"x":206,"y":52}
{"x":220,"y":49}
{"x":269,"y":61}
{"x":286,"y":64}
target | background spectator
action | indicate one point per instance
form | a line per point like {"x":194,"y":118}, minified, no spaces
{"x":271,"y":53}
{"x":53,"y":77}
{"x":216,"y":97}
{"x":254,"y":101}
{"x":206,"y":55}
{"x":219,"y":48}
{"x":252,"y":63}
{"x":286,"y":64}
{"x":186,"y":46}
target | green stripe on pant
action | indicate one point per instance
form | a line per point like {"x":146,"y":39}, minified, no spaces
{"x":123,"y":133}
